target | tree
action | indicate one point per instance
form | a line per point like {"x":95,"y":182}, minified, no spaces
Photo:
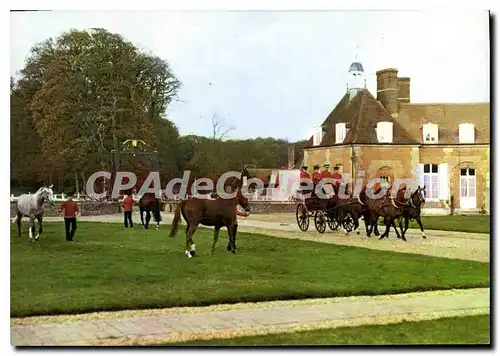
{"x":86,"y":92}
{"x":25,"y":162}
{"x":218,"y":130}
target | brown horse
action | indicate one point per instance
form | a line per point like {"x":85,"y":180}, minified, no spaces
{"x":391,"y":209}
{"x":363,"y":199}
{"x":411,"y":210}
{"x":149,"y":204}
{"x":216,"y":212}
{"x":387,"y":208}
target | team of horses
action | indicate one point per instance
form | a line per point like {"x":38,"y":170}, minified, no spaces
{"x":371,"y":209}
{"x":219,"y":213}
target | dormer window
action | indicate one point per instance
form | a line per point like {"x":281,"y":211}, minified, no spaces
{"x":466,"y":133}
{"x":317,"y":136}
{"x":384,"y":132}
{"x":340,"y":132}
{"x":430,"y":133}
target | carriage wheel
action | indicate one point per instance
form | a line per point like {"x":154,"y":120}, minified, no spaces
{"x":320,"y":221}
{"x":348,"y":222}
{"x":302,"y":217}
{"x":333,"y":223}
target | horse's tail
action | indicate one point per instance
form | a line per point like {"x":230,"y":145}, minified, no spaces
{"x":177,"y":219}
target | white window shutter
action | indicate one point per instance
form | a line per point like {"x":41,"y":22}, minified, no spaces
{"x":420,"y":173}
{"x":340,"y":132}
{"x":443,"y":181}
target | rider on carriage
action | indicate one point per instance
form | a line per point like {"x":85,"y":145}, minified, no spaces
{"x":316,"y":177}
{"x":337,"y":176}
{"x":326,"y":173}
{"x":304,"y":178}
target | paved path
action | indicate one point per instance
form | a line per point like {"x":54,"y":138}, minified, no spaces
{"x":448,"y":244}
{"x":257,"y":318}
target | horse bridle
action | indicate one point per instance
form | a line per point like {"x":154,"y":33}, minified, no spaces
{"x":411,"y":201}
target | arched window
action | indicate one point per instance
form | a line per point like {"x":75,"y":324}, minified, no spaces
{"x":386,"y":175}
{"x":385,"y":179}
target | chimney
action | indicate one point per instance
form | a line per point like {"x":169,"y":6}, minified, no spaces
{"x":291,"y":156}
{"x":404,"y":90}
{"x":387,"y":89}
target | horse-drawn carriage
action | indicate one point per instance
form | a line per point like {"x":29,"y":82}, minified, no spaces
{"x":324,"y":213}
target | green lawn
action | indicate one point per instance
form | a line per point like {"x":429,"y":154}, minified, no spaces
{"x":459,"y":330}
{"x":111,"y":268}
{"x":465,"y":223}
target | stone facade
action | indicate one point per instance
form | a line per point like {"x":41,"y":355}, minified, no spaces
{"x":400,"y":162}
{"x":409,"y":156}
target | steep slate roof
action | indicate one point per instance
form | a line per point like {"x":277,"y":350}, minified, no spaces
{"x":361,"y":115}
{"x":447,"y":117}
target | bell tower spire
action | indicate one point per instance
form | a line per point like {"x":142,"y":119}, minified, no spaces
{"x":356,"y":76}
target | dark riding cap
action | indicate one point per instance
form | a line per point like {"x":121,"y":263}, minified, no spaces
{"x":336,"y":168}
{"x":316,"y":166}
{"x":326,"y":165}
{"x":70,"y":194}
{"x":304,"y":167}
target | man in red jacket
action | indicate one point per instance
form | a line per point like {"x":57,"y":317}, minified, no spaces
{"x":316,"y":177}
{"x":336,"y":175}
{"x":304,"y":178}
{"x":400,"y":196}
{"x":325,"y":174}
{"x":128,"y":204}
{"x":70,"y":211}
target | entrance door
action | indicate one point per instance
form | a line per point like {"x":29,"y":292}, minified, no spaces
{"x":467,"y":188}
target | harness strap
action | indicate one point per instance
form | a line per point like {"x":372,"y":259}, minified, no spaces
{"x":394,"y":204}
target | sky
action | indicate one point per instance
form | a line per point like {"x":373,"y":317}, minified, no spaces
{"x":280,"y":73}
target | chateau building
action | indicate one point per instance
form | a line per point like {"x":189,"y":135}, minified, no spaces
{"x":444,"y":146}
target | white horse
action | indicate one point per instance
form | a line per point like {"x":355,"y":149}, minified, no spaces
{"x":31,"y":206}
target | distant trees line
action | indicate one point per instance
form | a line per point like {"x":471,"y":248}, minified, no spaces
{"x":82,"y":94}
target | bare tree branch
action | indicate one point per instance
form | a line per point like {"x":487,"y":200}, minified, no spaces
{"x":217,"y":126}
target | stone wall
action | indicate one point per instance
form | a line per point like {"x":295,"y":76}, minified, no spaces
{"x":257,"y":207}
{"x":86,"y":208}
{"x":266,"y":207}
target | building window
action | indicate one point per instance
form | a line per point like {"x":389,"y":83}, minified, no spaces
{"x":385,"y":179}
{"x":467,"y":182}
{"x":340,"y":132}
{"x":384,"y":132}
{"x":317,"y":136}
{"x":466,"y":133}
{"x":431,"y":181}
{"x":430,"y":133}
